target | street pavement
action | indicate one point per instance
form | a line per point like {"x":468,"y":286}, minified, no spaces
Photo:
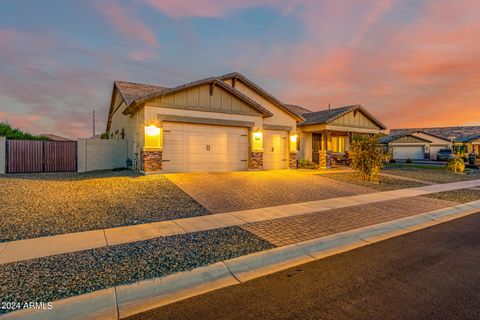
{"x":429,"y":274}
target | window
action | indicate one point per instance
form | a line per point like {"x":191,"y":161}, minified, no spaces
{"x":338,"y":144}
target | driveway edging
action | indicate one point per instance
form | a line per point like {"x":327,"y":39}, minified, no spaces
{"x":148,"y":294}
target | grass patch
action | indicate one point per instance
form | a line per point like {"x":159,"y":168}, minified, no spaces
{"x":435,"y":176}
{"x":384,"y":183}
{"x":415,"y":165}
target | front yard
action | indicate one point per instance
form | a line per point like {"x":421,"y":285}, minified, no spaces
{"x":438,"y":175}
{"x":38,"y":205}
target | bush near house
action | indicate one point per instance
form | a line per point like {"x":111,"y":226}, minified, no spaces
{"x":367,"y":157}
{"x":456,"y":165}
{"x":306,"y":164}
{"x":8,"y":131}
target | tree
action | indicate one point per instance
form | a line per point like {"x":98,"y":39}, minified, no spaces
{"x":13,"y":133}
{"x":367,"y":157}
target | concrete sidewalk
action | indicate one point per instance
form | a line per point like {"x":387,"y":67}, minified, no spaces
{"x":54,"y":245}
{"x":125,"y":300}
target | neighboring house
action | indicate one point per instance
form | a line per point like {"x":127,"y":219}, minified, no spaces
{"x":54,"y":137}
{"x":226,"y":123}
{"x":424,"y":143}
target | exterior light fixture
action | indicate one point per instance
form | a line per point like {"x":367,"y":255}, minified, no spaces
{"x":153,"y":137}
{"x":293,"y":142}
{"x":152,"y":130}
{"x":257,"y":140}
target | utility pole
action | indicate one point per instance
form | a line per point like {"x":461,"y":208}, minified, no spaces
{"x":94,"y":122}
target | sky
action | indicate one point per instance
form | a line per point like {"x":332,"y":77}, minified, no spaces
{"x":410,"y":63}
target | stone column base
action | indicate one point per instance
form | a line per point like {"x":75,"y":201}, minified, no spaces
{"x":293,"y":160}
{"x":151,"y":161}
{"x":325,"y":159}
{"x":256,"y":161}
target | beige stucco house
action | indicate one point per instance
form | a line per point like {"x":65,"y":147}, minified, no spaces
{"x":226,"y":123}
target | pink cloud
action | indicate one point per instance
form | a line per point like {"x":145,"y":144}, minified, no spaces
{"x":126,"y":22}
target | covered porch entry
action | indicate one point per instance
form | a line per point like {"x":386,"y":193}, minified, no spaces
{"x":326,"y":136}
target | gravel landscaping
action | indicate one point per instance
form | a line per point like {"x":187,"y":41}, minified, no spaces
{"x":431,"y":175}
{"x":57,"y":277}
{"x":460,"y":195}
{"x":384,"y":183}
{"x":36,"y":205}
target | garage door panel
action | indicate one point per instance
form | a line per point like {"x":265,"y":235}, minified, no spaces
{"x":185,"y":148}
{"x":408,"y":152}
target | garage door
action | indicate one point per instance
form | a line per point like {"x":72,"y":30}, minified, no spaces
{"x":408,"y":152}
{"x":275,"y":149}
{"x":190,"y":147}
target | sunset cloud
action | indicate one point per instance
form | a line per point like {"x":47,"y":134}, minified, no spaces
{"x":410,"y":63}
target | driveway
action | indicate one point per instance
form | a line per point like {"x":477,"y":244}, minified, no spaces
{"x":243,"y":190}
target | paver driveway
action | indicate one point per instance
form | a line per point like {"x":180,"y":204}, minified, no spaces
{"x":242,"y":190}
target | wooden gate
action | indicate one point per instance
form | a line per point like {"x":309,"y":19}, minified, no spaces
{"x":41,"y":156}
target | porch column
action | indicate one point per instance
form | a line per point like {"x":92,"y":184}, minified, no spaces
{"x":325,"y":155}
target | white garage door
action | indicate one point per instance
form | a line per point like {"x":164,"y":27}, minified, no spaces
{"x":275,"y":149}
{"x":408,"y":152}
{"x":191,"y":147}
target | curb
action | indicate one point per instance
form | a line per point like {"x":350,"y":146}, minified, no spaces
{"x":126,"y":300}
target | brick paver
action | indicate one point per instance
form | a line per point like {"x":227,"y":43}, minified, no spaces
{"x":290,"y":230}
{"x":243,"y":190}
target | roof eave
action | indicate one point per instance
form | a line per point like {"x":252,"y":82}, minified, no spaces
{"x":263,"y":92}
{"x":266,"y":113}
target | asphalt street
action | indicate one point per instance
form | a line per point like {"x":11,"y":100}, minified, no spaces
{"x":429,"y":274}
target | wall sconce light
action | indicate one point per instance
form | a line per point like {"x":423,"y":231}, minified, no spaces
{"x":153,"y":137}
{"x":293,"y":142}
{"x":257,"y":143}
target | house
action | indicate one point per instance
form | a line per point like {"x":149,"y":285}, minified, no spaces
{"x":424,"y":143}
{"x":226,"y":123}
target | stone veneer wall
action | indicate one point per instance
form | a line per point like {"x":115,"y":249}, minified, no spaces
{"x":293,"y":160}
{"x":152,"y":161}
{"x":256,"y":160}
{"x":325,"y":159}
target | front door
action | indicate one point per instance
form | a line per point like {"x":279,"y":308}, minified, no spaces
{"x":316,"y":146}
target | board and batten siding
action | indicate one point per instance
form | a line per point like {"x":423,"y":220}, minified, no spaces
{"x":280,"y":117}
{"x":354,"y":119}
{"x":200,"y":99}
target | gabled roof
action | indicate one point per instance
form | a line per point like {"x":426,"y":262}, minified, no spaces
{"x":297,"y":109}
{"x":146,"y":95}
{"x":131,"y":91}
{"x":137,"y":93}
{"x":411,"y":136}
{"x":326,"y":116}
{"x":261,"y":91}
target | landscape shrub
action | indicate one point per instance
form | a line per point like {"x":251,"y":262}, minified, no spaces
{"x":456,"y":165}
{"x":306,"y":164}
{"x":367,"y":157}
{"x":409,"y":160}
